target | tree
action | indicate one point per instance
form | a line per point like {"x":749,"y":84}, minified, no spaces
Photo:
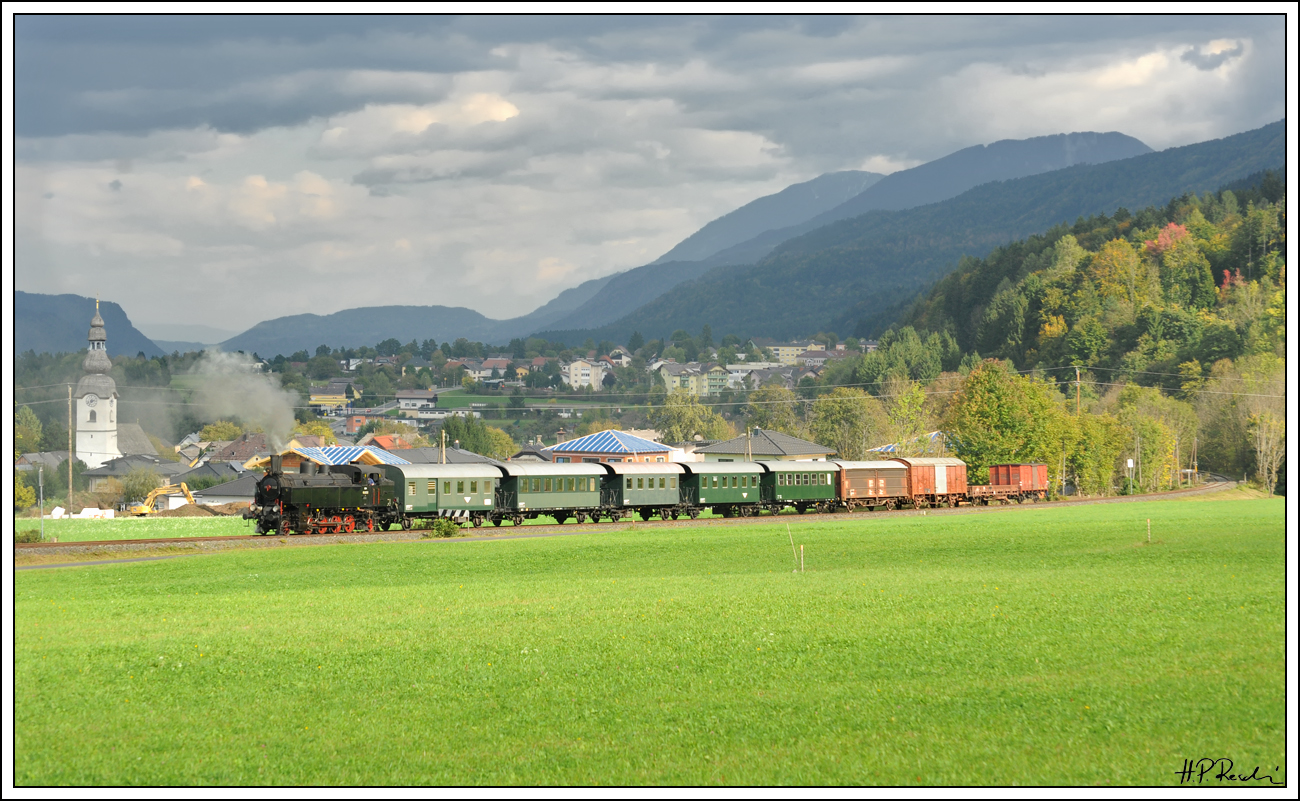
{"x":322,"y":367}
{"x":1095,"y":456}
{"x":682,"y":417}
{"x":999,"y":417}
{"x":318,"y":428}
{"x":220,"y":431}
{"x":27,"y":431}
{"x":848,"y":420}
{"x":706,"y":336}
{"x":773,"y":408}
{"x":905,"y":410}
{"x":139,"y":483}
{"x":24,"y":495}
{"x":1265,"y":404}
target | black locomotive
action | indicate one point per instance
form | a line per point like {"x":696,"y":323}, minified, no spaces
{"x":333,"y":499}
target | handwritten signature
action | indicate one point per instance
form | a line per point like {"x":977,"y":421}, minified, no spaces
{"x":1204,"y":767}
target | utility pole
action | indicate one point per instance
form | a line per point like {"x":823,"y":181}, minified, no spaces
{"x":442,"y":458}
{"x":40,"y":482}
{"x":1077,"y":390}
{"x":69,"y":447}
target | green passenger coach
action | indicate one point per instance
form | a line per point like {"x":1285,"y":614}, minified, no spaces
{"x":732,"y":488}
{"x":803,"y":485}
{"x":463,"y":492}
{"x":560,"y":491}
{"x":646,"y":488}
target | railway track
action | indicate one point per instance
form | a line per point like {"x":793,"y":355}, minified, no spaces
{"x":514,"y":532}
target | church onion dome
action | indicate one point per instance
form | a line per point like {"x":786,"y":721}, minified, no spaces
{"x":97,"y":329}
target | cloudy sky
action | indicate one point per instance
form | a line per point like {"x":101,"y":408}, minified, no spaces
{"x":225,"y":170}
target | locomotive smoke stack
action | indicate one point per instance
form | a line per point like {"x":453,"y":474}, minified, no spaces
{"x":277,"y":463}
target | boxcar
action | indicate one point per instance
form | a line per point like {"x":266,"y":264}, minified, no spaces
{"x":935,"y":481}
{"x":802,"y":485}
{"x":462,"y":492}
{"x":732,"y":488}
{"x":560,"y":491}
{"x":646,"y":488}
{"x":872,"y":484}
{"x":1012,"y":482}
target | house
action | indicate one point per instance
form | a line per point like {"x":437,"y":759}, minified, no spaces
{"x":118,"y":469}
{"x":291,"y":459}
{"x":620,"y":356}
{"x":240,"y":490}
{"x":539,"y":363}
{"x":390,"y":361}
{"x":582,"y":373}
{"x":331,"y":397}
{"x":412,"y":401}
{"x":221,"y":471}
{"x":609,"y":446}
{"x":389,"y":442}
{"x":531,"y":453}
{"x":813,"y":358}
{"x":350,"y":365}
{"x":50,"y":460}
{"x":247,"y":446}
{"x":765,"y":446}
{"x":131,"y":439}
{"x":498,"y":363}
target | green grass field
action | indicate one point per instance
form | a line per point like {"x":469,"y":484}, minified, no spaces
{"x":1034,"y":646}
{"x":137,"y":528}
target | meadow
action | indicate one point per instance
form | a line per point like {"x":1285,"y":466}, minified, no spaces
{"x":1034,"y":646}
{"x":137,"y":528}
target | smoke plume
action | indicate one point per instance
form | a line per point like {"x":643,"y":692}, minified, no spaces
{"x":232,"y":388}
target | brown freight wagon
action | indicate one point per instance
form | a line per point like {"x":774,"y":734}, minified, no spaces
{"x":1022,"y":477}
{"x":1012,"y":482}
{"x":935,"y":481}
{"x":872,"y":484}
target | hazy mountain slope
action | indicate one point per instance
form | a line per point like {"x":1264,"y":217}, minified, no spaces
{"x":553,"y":312}
{"x":849,"y":273}
{"x":791,"y":206}
{"x":352,"y":328}
{"x":948,"y":177}
{"x":60,"y":323}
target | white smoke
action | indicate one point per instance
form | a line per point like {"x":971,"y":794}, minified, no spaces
{"x":233,"y":388}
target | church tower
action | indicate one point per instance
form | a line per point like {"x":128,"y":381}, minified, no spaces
{"x":96,"y":401}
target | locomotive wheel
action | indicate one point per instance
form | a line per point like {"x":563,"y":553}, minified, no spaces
{"x":370,"y":524}
{"x":406,"y":523}
{"x":580,"y":517}
{"x":336,"y":524}
{"x":349,"y":524}
{"x":285,"y":528}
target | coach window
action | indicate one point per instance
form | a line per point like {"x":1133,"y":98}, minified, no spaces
{"x":715,"y":482}
{"x":546,"y":485}
{"x":661,"y":482}
{"x":591,"y":485}
{"x":537,"y":485}
{"x":433,"y":487}
{"x":672,"y":482}
{"x":410,"y":488}
{"x":568,"y":484}
{"x":640,"y":483}
{"x":446,"y":488}
{"x":473,"y":487}
{"x":460,"y":487}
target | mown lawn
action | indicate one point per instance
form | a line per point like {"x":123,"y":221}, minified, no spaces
{"x":137,"y":528}
{"x":1035,"y":646}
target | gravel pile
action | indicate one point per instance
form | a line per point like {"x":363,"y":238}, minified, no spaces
{"x":227,"y":509}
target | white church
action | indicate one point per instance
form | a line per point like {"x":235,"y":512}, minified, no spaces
{"x":96,"y":397}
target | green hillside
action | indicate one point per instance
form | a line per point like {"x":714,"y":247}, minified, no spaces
{"x":853,"y":275}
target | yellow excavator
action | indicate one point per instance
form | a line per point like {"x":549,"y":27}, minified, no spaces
{"x":146,"y":507}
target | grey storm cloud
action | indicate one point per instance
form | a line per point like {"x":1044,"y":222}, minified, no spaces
{"x":492,"y":161}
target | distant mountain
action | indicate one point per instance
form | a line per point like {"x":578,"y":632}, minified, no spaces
{"x":848,"y":275}
{"x":60,"y":323}
{"x":352,"y":328}
{"x":948,"y":177}
{"x":791,"y":206}
{"x":553,"y":312}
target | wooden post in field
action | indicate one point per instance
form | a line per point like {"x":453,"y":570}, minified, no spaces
{"x":787,"y":531}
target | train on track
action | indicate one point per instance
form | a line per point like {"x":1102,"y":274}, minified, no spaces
{"x":347,"y":498}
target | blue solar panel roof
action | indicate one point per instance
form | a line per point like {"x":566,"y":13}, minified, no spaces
{"x":610,"y":442}
{"x":347,"y":454}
